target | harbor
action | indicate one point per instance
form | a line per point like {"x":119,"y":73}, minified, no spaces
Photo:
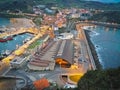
{"x":38,"y":50}
{"x":107,"y":45}
{"x":59,"y":45}
{"x":21,"y":40}
{"x":7,"y":47}
{"x":47,"y":56}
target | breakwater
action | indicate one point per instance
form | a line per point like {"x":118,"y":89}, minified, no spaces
{"x":107,"y":45}
{"x":105,"y":24}
{"x":83,"y":37}
{"x":93,"y":51}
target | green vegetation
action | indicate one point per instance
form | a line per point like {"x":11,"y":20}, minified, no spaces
{"x":93,"y":51}
{"x":37,"y":20}
{"x":26,"y":5}
{"x":61,"y":30}
{"x":107,"y":16}
{"x":95,"y":80}
{"x":33,"y":45}
{"x":7,"y":15}
{"x":23,"y":5}
{"x":100,"y":80}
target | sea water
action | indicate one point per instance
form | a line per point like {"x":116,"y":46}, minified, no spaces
{"x":107,"y":45}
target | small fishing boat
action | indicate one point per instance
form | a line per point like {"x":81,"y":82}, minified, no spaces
{"x":5,"y":39}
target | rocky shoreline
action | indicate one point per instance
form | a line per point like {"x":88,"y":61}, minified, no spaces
{"x":93,"y":51}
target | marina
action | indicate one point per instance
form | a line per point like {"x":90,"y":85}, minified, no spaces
{"x":36,"y":52}
{"x":15,"y":43}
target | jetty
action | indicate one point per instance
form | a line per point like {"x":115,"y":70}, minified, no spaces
{"x":105,"y":24}
{"x":20,"y":31}
{"x":83,"y":38}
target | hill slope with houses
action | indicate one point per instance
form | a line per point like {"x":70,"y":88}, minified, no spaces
{"x":26,"y":5}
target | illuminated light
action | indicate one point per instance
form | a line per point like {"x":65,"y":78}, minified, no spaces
{"x":74,"y":67}
{"x":19,"y":51}
{"x":76,"y":77}
{"x":8,"y":59}
{"x":61,"y":61}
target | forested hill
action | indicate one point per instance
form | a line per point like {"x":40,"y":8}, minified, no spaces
{"x":108,"y":16}
{"x":26,"y":5}
{"x":100,"y":80}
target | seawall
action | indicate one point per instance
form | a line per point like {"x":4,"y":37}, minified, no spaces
{"x":105,"y":24}
{"x":90,"y":54}
{"x":83,"y":37}
{"x":93,"y":51}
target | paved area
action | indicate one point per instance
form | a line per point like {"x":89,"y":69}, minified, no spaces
{"x":80,"y":58}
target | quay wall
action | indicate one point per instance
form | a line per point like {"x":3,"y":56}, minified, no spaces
{"x":19,"y":31}
{"x":92,"y":61}
{"x":82,"y":36}
{"x":93,"y":51}
{"x":105,"y":24}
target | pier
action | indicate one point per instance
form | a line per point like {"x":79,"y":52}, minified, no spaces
{"x":105,"y":24}
{"x":88,"y":54}
{"x":5,"y":63}
{"x":20,"y":31}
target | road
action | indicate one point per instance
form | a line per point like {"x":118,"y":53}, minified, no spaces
{"x":4,"y":69}
{"x":55,"y":74}
{"x":87,"y":51}
{"x":84,"y":54}
{"x":70,"y":25}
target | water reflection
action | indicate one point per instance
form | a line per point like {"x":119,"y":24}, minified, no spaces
{"x":108,"y":43}
{"x":8,"y":47}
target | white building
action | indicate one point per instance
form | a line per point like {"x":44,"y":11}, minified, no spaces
{"x":64,"y":36}
{"x":75,"y":15}
{"x":17,"y":62}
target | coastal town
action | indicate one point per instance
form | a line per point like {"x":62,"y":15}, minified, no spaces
{"x":53,"y":49}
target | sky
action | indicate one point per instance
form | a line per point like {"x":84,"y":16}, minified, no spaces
{"x":106,"y":1}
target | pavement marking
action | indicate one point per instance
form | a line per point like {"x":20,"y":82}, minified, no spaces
{"x":32,"y":77}
{"x":41,"y":75}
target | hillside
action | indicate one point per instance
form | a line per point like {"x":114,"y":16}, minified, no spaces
{"x":100,"y":80}
{"x":26,"y":5}
{"x":108,"y":16}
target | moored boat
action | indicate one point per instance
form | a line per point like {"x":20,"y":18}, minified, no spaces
{"x":2,"y":40}
{"x":5,"y":39}
{"x":9,"y":38}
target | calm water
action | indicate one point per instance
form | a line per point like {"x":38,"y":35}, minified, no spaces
{"x":107,"y":41}
{"x":17,"y":40}
{"x":4,"y":21}
{"x":11,"y":45}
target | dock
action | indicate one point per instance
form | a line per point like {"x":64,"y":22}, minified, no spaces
{"x":83,"y":38}
{"x":20,"y":31}
{"x":105,"y":24}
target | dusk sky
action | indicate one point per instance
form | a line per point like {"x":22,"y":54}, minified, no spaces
{"x":106,"y":0}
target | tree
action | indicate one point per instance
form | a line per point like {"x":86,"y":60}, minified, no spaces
{"x":100,"y":80}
